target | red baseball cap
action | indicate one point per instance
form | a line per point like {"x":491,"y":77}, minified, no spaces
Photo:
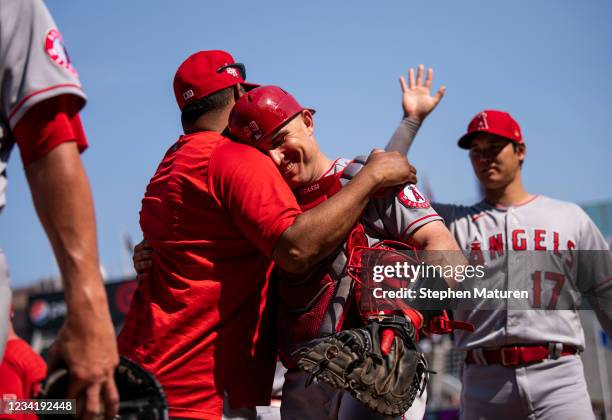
{"x":207,"y":72}
{"x":495,"y":122}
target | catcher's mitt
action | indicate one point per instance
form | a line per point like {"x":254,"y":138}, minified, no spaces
{"x":386,"y":378}
{"x":141,"y":396}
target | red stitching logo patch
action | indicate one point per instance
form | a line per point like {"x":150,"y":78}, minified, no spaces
{"x":410,"y":196}
{"x":56,"y":50}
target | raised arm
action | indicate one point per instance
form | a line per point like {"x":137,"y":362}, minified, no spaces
{"x":417,"y":103}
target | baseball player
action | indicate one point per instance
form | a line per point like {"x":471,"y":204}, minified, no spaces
{"x":39,"y":103}
{"x":215,"y":212}
{"x":523,"y":363}
{"x":273,"y":121}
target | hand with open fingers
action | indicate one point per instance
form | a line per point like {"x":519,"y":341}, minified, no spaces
{"x":86,"y":345}
{"x":142,"y":259}
{"x":390,"y":168}
{"x":416,"y":95}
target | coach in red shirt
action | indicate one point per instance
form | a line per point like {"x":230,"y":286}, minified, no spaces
{"x":215,"y":212}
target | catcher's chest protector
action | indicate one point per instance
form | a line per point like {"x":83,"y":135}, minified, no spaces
{"x":315,"y":303}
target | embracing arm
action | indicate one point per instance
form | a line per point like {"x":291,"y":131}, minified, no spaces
{"x":317,"y":232}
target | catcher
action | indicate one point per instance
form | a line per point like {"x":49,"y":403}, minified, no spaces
{"x":322,"y":301}
{"x":323,"y":333}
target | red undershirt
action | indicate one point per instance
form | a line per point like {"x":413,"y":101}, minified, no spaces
{"x":47,"y":125}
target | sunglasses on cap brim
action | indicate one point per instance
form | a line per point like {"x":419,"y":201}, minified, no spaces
{"x":238,"y":66}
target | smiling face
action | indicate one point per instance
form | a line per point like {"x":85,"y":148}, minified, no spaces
{"x":495,"y":160}
{"x":296,"y":152}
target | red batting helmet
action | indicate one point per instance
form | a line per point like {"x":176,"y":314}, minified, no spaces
{"x":260,"y":113}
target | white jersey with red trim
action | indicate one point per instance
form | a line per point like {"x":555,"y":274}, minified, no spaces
{"x":393,"y":216}
{"x":540,"y":224}
{"x":34,"y":66}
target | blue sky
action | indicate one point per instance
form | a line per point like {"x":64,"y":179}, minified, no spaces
{"x":546,"y":62}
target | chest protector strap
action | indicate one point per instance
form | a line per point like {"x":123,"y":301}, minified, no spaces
{"x":315,"y":303}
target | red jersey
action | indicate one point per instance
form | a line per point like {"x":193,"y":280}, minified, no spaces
{"x":213,"y":213}
{"x":21,"y":372}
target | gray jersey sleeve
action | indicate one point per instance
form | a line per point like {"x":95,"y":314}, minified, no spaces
{"x":398,"y":214}
{"x":34,"y":65}
{"x":448,"y":212}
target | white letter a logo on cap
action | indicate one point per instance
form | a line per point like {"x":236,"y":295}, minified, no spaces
{"x":483,"y":124}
